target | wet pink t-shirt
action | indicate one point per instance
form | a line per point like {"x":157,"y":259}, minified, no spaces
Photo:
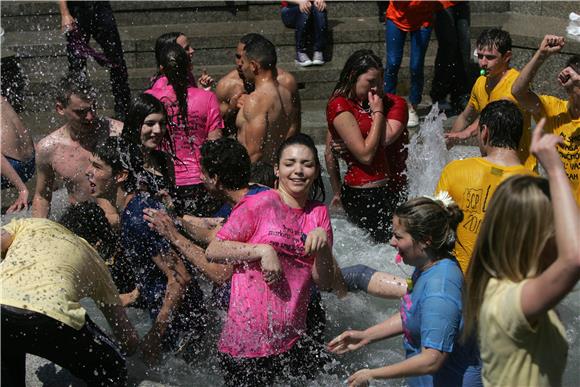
{"x":267,"y":320}
{"x":203,"y":117}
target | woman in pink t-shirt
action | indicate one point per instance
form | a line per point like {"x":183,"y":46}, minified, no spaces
{"x":193,"y":117}
{"x":279,"y":241}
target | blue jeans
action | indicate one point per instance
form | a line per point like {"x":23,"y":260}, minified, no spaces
{"x":293,"y":18}
{"x":395,"y":41}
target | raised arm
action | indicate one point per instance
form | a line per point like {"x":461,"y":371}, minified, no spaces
{"x":363,"y":149}
{"x":521,"y":88}
{"x":545,"y":291}
{"x":44,"y":181}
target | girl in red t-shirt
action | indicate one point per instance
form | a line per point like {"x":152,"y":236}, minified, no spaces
{"x":370,"y":125}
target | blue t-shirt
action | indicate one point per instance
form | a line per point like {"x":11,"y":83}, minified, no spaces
{"x":431,"y":315}
{"x":226,"y":209}
{"x":140,"y":244}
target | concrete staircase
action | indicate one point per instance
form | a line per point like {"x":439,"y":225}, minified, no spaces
{"x":32,"y":33}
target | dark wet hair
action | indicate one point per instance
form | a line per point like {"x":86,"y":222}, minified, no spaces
{"x":88,"y":220}
{"x":358,"y":63}
{"x":175,"y":62}
{"x":76,"y":83}
{"x":227,"y":159}
{"x":505,"y":124}
{"x":162,"y":41}
{"x":249,"y":37}
{"x":427,"y":219}
{"x":261,"y":50}
{"x":574,"y":62}
{"x":263,"y":173}
{"x":317,"y":191}
{"x":122,"y":156}
{"x":495,"y":38}
{"x":143,"y":105}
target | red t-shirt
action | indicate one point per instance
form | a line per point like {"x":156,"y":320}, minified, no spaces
{"x":412,"y":15}
{"x":359,"y":174}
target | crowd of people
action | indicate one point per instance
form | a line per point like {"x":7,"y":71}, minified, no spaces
{"x":194,"y":187}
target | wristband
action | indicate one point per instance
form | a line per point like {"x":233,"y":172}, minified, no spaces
{"x":377,"y":111}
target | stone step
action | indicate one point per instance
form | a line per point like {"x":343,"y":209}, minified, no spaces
{"x":315,"y":82}
{"x":43,"y":16}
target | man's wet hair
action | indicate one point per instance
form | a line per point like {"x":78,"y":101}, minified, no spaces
{"x":505,"y":124}
{"x":76,"y":83}
{"x":249,"y":37}
{"x":88,"y":220}
{"x":263,"y":173}
{"x":495,"y":38}
{"x":262,"y":51}
{"x":122,"y":156}
{"x":574,"y":63}
{"x":227,"y":160}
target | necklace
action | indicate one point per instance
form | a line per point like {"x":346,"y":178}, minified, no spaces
{"x":367,"y":110}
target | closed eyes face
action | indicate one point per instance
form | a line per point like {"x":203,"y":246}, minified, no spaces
{"x":184,"y":43}
{"x":153,"y":131}
{"x":100,"y":176}
{"x":411,"y":251}
{"x":297,"y":170}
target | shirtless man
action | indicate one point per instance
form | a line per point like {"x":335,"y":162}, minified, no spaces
{"x":17,"y":155}
{"x":65,"y":152}
{"x":267,"y":115}
{"x":234,"y":87}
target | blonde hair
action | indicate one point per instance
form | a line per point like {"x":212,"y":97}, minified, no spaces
{"x":517,"y":225}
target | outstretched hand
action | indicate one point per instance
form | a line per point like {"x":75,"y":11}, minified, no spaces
{"x":159,"y":221}
{"x":20,"y":203}
{"x":544,"y":148}
{"x":348,"y":341}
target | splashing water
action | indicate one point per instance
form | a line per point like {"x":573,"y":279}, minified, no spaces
{"x":357,"y":311}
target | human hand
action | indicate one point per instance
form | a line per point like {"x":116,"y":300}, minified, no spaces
{"x":320,"y":5}
{"x":375,"y":102}
{"x":271,"y":268}
{"x":304,"y":6}
{"x":67,"y":23}
{"x":240,"y":100}
{"x":452,"y":138}
{"x":543,"y":146}
{"x":161,"y":222}
{"x":568,"y":77}
{"x":20,"y":203}
{"x":551,"y":44}
{"x":347,"y":341}
{"x":316,"y":240}
{"x":336,"y":201}
{"x":338,"y":147}
{"x":360,"y":378}
{"x":205,"y":80}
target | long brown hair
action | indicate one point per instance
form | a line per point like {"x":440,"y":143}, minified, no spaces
{"x":517,"y":225}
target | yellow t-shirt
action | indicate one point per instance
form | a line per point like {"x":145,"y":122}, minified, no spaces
{"x":48,"y":270}
{"x":559,"y":122}
{"x":513,"y":352}
{"x":471,"y":183}
{"x":503,"y":90}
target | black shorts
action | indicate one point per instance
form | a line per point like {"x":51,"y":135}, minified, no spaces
{"x":372,"y":209}
{"x":88,"y":353}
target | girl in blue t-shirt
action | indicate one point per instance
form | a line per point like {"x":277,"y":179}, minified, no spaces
{"x":424,"y":234}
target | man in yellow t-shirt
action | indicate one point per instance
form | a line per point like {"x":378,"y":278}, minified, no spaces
{"x":46,"y":271}
{"x":562,"y":116}
{"x":494,"y":54}
{"x":471,"y":182}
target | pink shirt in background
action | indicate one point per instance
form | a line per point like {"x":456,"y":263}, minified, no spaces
{"x":203,"y":117}
{"x":267,"y":320}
